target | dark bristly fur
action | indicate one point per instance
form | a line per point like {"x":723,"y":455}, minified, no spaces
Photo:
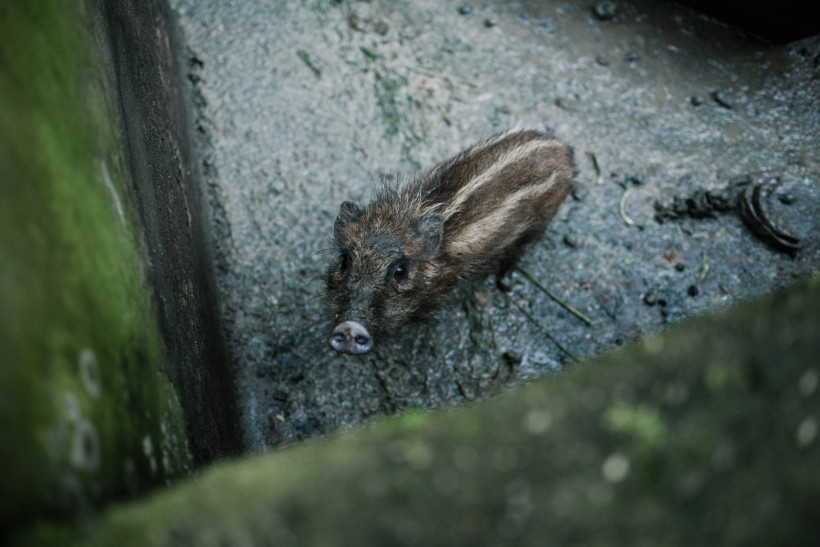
{"x":470,"y":215}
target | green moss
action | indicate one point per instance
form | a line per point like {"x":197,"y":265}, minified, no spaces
{"x":642,"y":421}
{"x":722,"y":376}
{"x":81,"y":386}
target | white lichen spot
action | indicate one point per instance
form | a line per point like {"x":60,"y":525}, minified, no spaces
{"x":537,"y":421}
{"x":806,"y":431}
{"x":808,"y":383}
{"x":102,"y":167}
{"x":89,"y":372}
{"x":653,"y":344}
{"x":71,"y":407}
{"x":167,"y":465}
{"x":148,"y":450}
{"x":85,"y":446}
{"x":615,"y":468}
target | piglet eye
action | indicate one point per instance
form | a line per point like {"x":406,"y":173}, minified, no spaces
{"x":344,"y":262}
{"x":400,"y":271}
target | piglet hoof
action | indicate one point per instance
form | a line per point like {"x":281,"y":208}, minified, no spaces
{"x":350,"y":337}
{"x":502,"y":285}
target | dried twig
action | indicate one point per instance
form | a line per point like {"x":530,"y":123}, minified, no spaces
{"x":599,"y":177}
{"x":560,"y":302}
{"x":704,"y":269}
{"x":622,"y":209}
{"x":546,"y":332}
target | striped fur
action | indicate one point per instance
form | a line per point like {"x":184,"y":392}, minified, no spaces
{"x":497,"y":196}
{"x":470,"y":215}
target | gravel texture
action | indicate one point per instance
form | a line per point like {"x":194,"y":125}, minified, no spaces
{"x":304,"y":104}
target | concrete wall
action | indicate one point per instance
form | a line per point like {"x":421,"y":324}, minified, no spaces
{"x":112,"y":371}
{"x":165,"y":188}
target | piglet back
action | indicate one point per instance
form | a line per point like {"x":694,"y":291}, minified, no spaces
{"x":497,"y":196}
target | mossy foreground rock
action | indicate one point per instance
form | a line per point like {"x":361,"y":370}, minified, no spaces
{"x":705,"y":435}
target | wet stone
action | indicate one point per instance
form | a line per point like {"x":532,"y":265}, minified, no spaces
{"x":786,"y":198}
{"x":605,"y":11}
{"x":570,"y":241}
{"x":579,"y":192}
{"x":671,"y":303}
{"x":722,"y":100}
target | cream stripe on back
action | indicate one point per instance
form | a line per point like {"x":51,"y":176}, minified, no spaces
{"x":474,"y":235}
{"x":489,"y":174}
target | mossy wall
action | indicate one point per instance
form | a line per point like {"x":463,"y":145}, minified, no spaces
{"x":91,"y":383}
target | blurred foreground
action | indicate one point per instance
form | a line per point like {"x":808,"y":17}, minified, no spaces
{"x":704,"y":435}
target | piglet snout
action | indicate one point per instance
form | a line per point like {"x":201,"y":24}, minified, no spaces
{"x":350,"y":337}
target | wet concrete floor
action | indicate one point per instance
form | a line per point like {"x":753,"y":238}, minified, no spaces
{"x":698,"y":156}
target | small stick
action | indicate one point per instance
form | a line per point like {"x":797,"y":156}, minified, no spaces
{"x":305,"y":57}
{"x":546,"y":332}
{"x":560,"y":302}
{"x":622,"y":209}
{"x":599,"y":178}
{"x":704,"y":269}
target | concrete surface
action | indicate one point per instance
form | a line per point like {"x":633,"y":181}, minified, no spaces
{"x":656,"y":444}
{"x":303,"y":105}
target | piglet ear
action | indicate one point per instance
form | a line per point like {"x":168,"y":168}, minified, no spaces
{"x":348,"y":212}
{"x":431,"y":231}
